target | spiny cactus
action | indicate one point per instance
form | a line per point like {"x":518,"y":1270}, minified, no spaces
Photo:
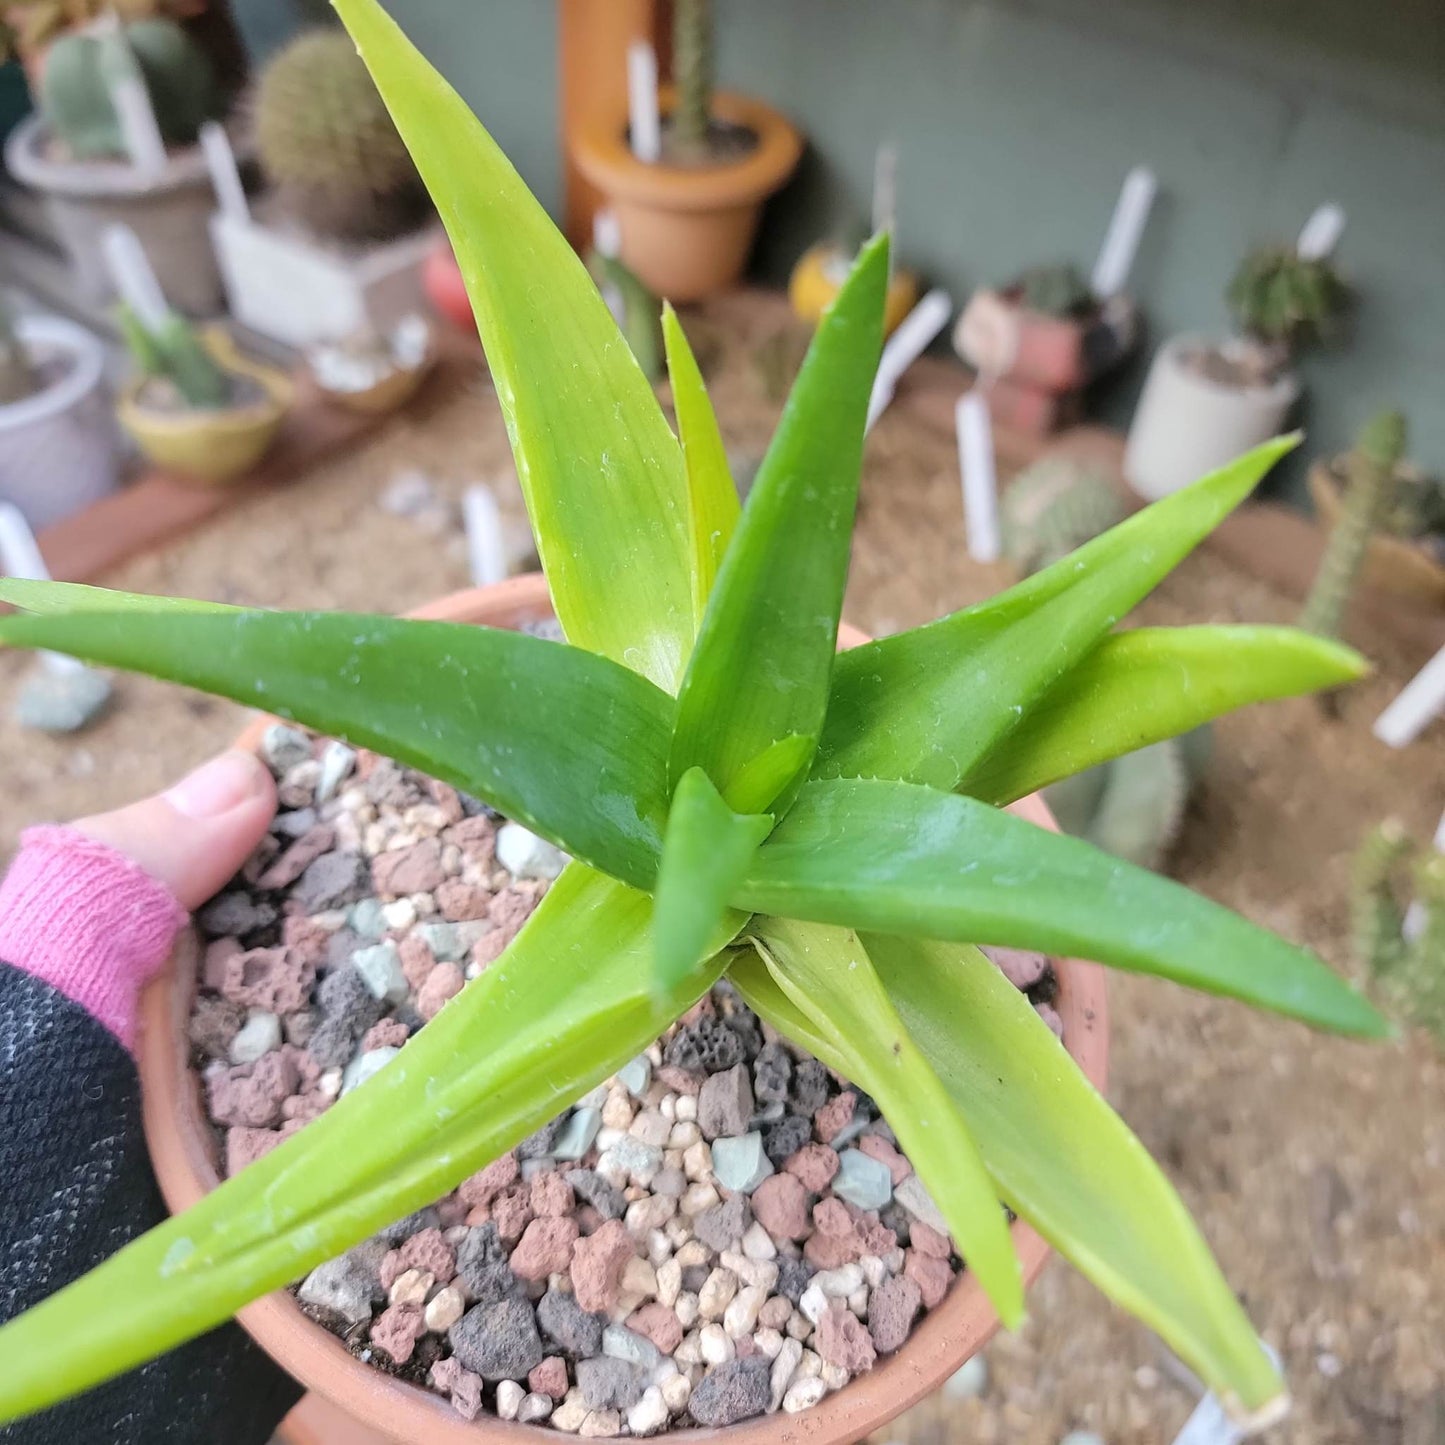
{"x":692,"y":71}
{"x":34,"y":25}
{"x":1053,"y":507}
{"x":1284,"y":302}
{"x":17,"y":374}
{"x":1407,"y":962}
{"x":75,"y":91}
{"x":1369,"y":476}
{"x":1058,"y":291}
{"x":641,"y":319}
{"x":175,"y":353}
{"x":328,"y":145}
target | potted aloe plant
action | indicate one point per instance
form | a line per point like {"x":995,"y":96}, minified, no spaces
{"x":828,"y":834}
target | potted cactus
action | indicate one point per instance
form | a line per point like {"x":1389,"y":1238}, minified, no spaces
{"x":732,"y":801}
{"x":335,"y":248}
{"x":76,"y":152}
{"x":688,"y":218}
{"x":59,"y":449}
{"x":1207,"y":400}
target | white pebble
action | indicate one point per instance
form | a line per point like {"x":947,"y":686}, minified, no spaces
{"x":601,"y":1425}
{"x":799,"y":1326}
{"x":651,"y":1128}
{"x":399,"y":915}
{"x":769,"y":1342}
{"x":697,"y":1162}
{"x":834,"y":1376}
{"x":716,"y":1347}
{"x":509,"y":1399}
{"x":683,"y":1135}
{"x":809,"y":1363}
{"x":676,"y":1391}
{"x":329,"y":1084}
{"x":363,"y":1066}
{"x":839,"y":1283}
{"x":659,"y":1248}
{"x":411,"y":1287}
{"x":717,"y":1293}
{"x":874,"y":1270}
{"x":669,"y":1282}
{"x":649,"y":1414}
{"x":639,"y":1278}
{"x":685,"y":1308}
{"x":653,"y":1212}
{"x":858,"y":1302}
{"x":694,"y":1251}
{"x":699,"y":1197}
{"x":813,"y":1303}
{"x":534,"y":1409}
{"x":758,"y":1244}
{"x":444,"y":1310}
{"x":689,"y":1352}
{"x":257,"y":1036}
{"x":686,"y":1108}
{"x":785,"y":1366}
{"x":804,"y":1394}
{"x":741,"y":1316}
{"x":570,"y":1414}
{"x":524,"y":855}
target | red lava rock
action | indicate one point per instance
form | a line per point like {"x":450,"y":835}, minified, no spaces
{"x":214,"y":1023}
{"x":442,"y":985}
{"x":417,"y":869}
{"x":891,"y":1311}
{"x":427,"y":1250}
{"x":552,"y":1196}
{"x":396,"y":1330}
{"x":549,"y":1378}
{"x":491,"y":946}
{"x":835,"y":1115}
{"x":305,"y":938}
{"x":842,"y":1339}
{"x":244,"y":1146}
{"x":1021,"y":966}
{"x":451,"y":1210}
{"x":417,"y":960}
{"x":680,"y":1081}
{"x":275,"y":979}
{"x":875,"y":1146}
{"x":932,"y":1276}
{"x":815,"y":1165}
{"x":477,"y":838}
{"x":1050,"y":1016}
{"x":512,"y":907}
{"x":780,"y":1204}
{"x":219,"y":952}
{"x":390,"y":1269}
{"x":830,"y":1251}
{"x":388,"y":1034}
{"x":486,"y":1184}
{"x":597,"y":1264}
{"x":482,"y":1214}
{"x":659,"y":1324}
{"x":252,"y":1094}
{"x":447,"y":799}
{"x":746,"y":1347}
{"x":298,"y":857}
{"x":830,"y":1216}
{"x":927,"y":1240}
{"x":460,"y":901}
{"x":444,"y":1373}
{"x":466,"y":1396}
{"x":545,"y":1248}
{"x":878,"y":1239}
{"x":512,"y":1212}
{"x":704,"y":1008}
{"x":303,"y":1108}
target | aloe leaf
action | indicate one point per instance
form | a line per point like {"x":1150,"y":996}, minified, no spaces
{"x":567,"y":1004}
{"x":899,"y":858}
{"x":764,"y":656}
{"x":1154,"y":683}
{"x":712,"y":497}
{"x":818,"y":986}
{"x":705,"y":852}
{"x":601,"y":471}
{"x":928,"y":705}
{"x":568,"y":743}
{"x":769,"y":775}
{"x":1064,"y":1161}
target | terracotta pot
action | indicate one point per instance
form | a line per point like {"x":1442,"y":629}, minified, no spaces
{"x":687,"y":230}
{"x":183,"y":1151}
{"x":1392,"y":564}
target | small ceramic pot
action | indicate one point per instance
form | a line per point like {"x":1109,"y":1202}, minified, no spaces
{"x":442,"y":279}
{"x":819,"y":276}
{"x":183,"y":1151}
{"x":687,"y":230}
{"x":210,"y":446}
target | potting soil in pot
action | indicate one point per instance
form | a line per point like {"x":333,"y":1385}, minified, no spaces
{"x":721,"y":1230}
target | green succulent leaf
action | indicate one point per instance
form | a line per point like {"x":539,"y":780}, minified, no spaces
{"x":1064,"y":1161}
{"x":568,"y":1003}
{"x":601,"y":471}
{"x":928,"y":705}
{"x":763,"y":659}
{"x":817,"y":985}
{"x":899,"y":858}
{"x":712,"y":498}
{"x":705,"y":852}
{"x":1150,"y":684}
{"x":568,"y":743}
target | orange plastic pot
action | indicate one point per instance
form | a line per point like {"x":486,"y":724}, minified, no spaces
{"x":687,"y":230}
{"x":183,"y":1151}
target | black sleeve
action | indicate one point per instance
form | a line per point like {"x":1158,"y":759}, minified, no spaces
{"x":76,"y":1185}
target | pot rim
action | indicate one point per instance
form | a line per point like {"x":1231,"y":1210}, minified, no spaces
{"x":1284,"y":390}
{"x":84,"y":373}
{"x":182,"y":1152}
{"x":232,"y":420}
{"x":601,"y":153}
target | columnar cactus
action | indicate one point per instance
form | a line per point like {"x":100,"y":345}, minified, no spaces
{"x":692,"y":70}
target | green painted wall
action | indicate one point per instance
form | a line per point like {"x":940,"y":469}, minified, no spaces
{"x":1016,"y":122}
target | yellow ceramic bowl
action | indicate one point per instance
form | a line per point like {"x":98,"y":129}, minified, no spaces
{"x":819,"y":274}
{"x":210,"y":446}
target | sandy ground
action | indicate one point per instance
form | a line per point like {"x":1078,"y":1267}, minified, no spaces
{"x":1315,"y":1166}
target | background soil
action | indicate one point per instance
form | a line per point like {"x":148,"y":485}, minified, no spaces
{"x":1315,"y":1166}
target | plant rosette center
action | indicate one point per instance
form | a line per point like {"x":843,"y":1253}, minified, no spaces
{"x":723,"y":1229}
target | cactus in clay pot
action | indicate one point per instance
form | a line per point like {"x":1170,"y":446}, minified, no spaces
{"x":1058,"y":291}
{"x":75,"y":93}
{"x":1405,"y":957}
{"x":1370,"y":471}
{"x":328,"y":145}
{"x":692,"y":70}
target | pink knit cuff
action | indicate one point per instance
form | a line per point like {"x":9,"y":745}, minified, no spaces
{"x":88,"y":921}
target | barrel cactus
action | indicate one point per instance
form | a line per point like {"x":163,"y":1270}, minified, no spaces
{"x":328,"y":145}
{"x":75,"y":93}
{"x":1054,"y":506}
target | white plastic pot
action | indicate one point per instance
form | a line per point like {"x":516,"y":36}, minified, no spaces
{"x":1187,"y":424}
{"x":59,"y":449}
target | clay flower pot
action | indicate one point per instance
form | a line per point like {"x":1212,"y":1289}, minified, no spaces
{"x":687,"y":230}
{"x":183,"y":1151}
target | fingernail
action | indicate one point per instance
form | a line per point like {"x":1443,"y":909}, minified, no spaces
{"x":218,"y":786}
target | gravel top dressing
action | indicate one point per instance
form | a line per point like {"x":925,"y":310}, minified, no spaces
{"x":721,"y":1230}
